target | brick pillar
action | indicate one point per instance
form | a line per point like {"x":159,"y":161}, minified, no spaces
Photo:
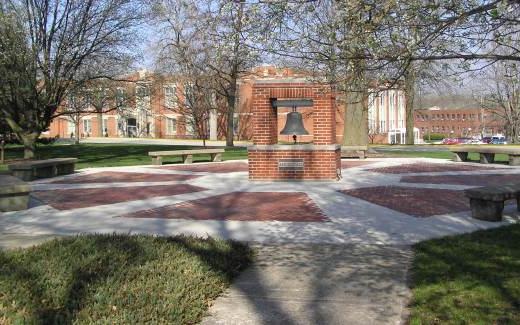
{"x":324,"y":117}
{"x":265,"y":122}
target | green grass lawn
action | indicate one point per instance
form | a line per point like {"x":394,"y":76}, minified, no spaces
{"x":104,"y":155}
{"x":468,"y":279}
{"x":117,"y":279}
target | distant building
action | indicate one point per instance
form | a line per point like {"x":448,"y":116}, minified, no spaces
{"x":463,"y":122}
{"x":152,"y":110}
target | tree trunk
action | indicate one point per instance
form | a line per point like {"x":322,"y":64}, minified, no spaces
{"x":409,"y":85}
{"x":355,"y":130}
{"x":29,"y":144}
{"x":101,"y":132}
{"x":76,"y":135}
{"x":231,"y":98}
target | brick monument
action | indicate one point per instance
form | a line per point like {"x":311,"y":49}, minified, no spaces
{"x":318,"y":160}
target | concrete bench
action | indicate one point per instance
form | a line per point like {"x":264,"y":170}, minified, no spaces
{"x":487,"y":203}
{"x":14,"y":194}
{"x":187,"y":155}
{"x":487,"y":154}
{"x":354,"y":152}
{"x":32,"y":169}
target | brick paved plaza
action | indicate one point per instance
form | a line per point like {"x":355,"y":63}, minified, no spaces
{"x":397,"y":201}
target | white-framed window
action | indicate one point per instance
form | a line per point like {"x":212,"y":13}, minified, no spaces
{"x":171,"y":126}
{"x":400,"y":110}
{"x":190,"y":127}
{"x":372,"y":112}
{"x":382,"y":112}
{"x":170,"y":96}
{"x":87,"y":127}
{"x":120,"y":97}
{"x":391,"y":111}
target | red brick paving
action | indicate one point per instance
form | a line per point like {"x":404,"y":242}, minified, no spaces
{"x":355,"y":163}
{"x":81,"y":198}
{"x":470,"y":180}
{"x":210,"y":168}
{"x":244,"y":206}
{"x":116,"y":177}
{"x":417,"y":202}
{"x":428,"y":168}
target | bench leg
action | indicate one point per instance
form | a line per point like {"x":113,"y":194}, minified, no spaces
{"x":487,"y":158}
{"x":460,"y":156}
{"x":24,"y":175}
{"x":65,"y":169}
{"x":486,"y":210}
{"x":514,"y":160}
{"x":215,"y":157}
{"x":156,"y":160}
{"x":187,"y":159}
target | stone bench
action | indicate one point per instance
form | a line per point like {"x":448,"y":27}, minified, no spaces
{"x":187,"y":155}
{"x":32,"y":169}
{"x":354,"y":152}
{"x":14,"y":194}
{"x":487,"y":203}
{"x":487,"y":154}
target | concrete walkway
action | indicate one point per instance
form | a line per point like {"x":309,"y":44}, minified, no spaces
{"x":318,"y":284}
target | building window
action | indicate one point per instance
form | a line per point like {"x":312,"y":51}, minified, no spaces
{"x":87,"y":127}
{"x":171,"y":126}
{"x":170,"y":96}
{"x":120,"y":97}
{"x":382,"y":113}
{"x":105,"y":126}
{"x":391,"y":111}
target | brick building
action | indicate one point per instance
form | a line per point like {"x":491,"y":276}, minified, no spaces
{"x":463,"y":122}
{"x":153,"y":111}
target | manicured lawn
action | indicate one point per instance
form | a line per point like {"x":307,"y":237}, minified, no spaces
{"x":468,"y":279}
{"x":117,"y":279}
{"x":103,"y":155}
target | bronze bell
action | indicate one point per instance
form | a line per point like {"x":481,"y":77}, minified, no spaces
{"x":294,"y":124}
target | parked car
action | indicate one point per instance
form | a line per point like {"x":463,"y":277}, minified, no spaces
{"x":498,"y":140}
{"x":449,"y":141}
{"x":486,"y":139}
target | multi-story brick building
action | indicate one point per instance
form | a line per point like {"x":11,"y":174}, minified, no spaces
{"x":153,"y":111}
{"x":463,"y":122}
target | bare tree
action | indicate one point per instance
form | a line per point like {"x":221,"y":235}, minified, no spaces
{"x":351,"y":42}
{"x":49,"y":47}
{"x":502,"y":98}
{"x":211,"y":38}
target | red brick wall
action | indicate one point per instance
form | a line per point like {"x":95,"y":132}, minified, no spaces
{"x":318,"y":165}
{"x":321,"y":160}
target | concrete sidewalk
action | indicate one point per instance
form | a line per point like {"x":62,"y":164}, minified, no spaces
{"x":318,"y":284}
